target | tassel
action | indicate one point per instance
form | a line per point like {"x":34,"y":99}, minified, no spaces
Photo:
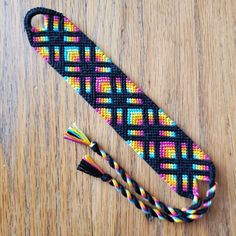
{"x":88,"y":166}
{"x":76,"y":135}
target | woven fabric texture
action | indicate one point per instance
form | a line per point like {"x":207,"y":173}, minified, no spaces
{"x":136,"y":118}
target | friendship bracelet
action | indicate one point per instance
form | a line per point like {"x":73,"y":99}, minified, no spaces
{"x":135,"y":117}
{"x":193,"y":212}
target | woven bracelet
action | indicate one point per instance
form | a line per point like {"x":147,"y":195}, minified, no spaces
{"x":135,"y":117}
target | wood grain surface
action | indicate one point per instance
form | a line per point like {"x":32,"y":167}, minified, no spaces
{"x":181,"y":53}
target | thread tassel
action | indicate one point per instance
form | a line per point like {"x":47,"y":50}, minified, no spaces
{"x":88,"y":166}
{"x":76,"y":135}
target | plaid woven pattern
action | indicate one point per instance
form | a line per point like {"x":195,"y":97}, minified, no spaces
{"x":136,"y":118}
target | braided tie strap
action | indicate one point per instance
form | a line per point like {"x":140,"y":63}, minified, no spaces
{"x":88,"y":166}
{"x":195,"y":211}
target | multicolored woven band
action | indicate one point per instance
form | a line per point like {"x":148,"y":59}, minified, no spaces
{"x":136,"y":118}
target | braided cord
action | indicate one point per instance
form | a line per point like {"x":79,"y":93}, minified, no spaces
{"x":88,"y":166}
{"x":195,"y":211}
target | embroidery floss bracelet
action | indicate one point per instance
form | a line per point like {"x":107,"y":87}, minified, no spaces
{"x":195,"y":211}
{"x":136,"y":118}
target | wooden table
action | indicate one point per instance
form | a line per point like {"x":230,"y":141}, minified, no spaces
{"x":181,"y":53}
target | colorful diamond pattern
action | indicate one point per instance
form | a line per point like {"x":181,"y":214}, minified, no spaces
{"x":145,"y":127}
